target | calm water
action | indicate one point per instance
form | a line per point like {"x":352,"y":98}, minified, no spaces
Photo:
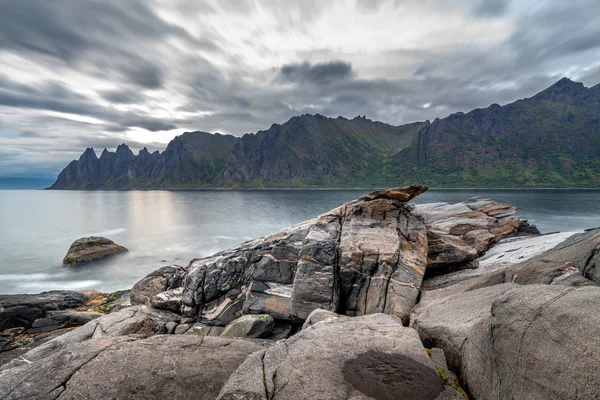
{"x":165,"y":227}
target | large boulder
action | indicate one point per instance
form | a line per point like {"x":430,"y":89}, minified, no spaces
{"x":90,"y":249}
{"x":367,"y":256}
{"x":363,"y":357}
{"x":523,"y":342}
{"x":159,"y":367}
{"x":459,"y":233}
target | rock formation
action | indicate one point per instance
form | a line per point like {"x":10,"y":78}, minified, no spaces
{"x":91,"y":248}
{"x":377,"y":298}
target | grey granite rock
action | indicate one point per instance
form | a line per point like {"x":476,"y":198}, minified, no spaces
{"x":159,"y":367}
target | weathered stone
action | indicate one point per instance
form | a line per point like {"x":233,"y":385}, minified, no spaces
{"x":134,"y":320}
{"x":383,"y":254}
{"x":366,"y":256}
{"x":346,"y":358}
{"x":459,"y":233}
{"x":128,"y":368}
{"x":90,"y":249}
{"x":250,"y":326}
{"x":319,"y":315}
{"x":23,"y":309}
{"x":403,"y":194}
{"x":57,"y":319}
{"x":200,"y":329}
{"x":279,"y":307}
{"x":522,"y":342}
{"x":162,"y":279}
{"x":169,"y":300}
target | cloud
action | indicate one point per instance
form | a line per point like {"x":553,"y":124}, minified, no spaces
{"x":491,"y":8}
{"x":317,"y":73}
{"x":75,"y":74}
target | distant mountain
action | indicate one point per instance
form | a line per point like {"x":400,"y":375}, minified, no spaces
{"x":306,"y":151}
{"x":549,"y":140}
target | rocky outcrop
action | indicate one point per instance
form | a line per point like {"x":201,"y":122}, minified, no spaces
{"x":521,"y":342}
{"x":364,"y":357}
{"x":159,"y":367}
{"x":161,"y":280}
{"x":28,"y":321}
{"x":459,"y":233}
{"x":364,"y":257}
{"x":519,"y":323}
{"x":91,"y":248}
{"x":22,"y":310}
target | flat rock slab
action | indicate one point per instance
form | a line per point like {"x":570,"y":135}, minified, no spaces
{"x":519,"y":342}
{"x":160,"y":367}
{"x":90,"y":249}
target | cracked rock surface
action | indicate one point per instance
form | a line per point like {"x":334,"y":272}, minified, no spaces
{"x":159,"y":367}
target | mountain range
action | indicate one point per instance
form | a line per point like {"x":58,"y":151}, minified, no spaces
{"x":549,"y":140}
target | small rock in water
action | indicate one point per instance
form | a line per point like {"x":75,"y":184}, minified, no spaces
{"x":90,"y":249}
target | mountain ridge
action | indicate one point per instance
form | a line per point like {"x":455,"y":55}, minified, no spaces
{"x":551,"y":139}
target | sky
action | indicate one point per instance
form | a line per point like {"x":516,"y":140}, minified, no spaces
{"x":77,"y":74}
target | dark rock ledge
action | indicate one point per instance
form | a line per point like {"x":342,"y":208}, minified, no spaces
{"x":375,"y":299}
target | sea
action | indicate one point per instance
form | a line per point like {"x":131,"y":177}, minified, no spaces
{"x":165,"y":227}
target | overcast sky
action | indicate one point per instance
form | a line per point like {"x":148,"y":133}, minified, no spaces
{"x":77,"y":73}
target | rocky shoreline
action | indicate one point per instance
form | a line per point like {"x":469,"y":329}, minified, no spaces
{"x":377,"y":299}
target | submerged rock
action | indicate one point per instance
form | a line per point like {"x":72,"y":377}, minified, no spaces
{"x":90,"y":249}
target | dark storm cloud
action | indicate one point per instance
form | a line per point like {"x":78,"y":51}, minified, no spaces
{"x":491,"y":8}
{"x":316,"y":73}
{"x":53,"y":96}
{"x":67,"y":29}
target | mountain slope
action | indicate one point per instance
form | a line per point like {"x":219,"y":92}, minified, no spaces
{"x":312,"y":150}
{"x":193,"y":159}
{"x":551,"y":139}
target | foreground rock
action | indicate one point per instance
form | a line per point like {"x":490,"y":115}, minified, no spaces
{"x":519,"y":342}
{"x":29,"y":320}
{"x":459,"y":233}
{"x":171,"y":366}
{"x":161,"y":280}
{"x":343,"y":358}
{"x":90,"y":249}
{"x":250,"y":326}
{"x":367,"y":256}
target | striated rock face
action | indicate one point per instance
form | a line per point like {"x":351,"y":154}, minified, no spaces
{"x":156,"y":282}
{"x":364,"y":257}
{"x":459,"y":233}
{"x":91,"y":249}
